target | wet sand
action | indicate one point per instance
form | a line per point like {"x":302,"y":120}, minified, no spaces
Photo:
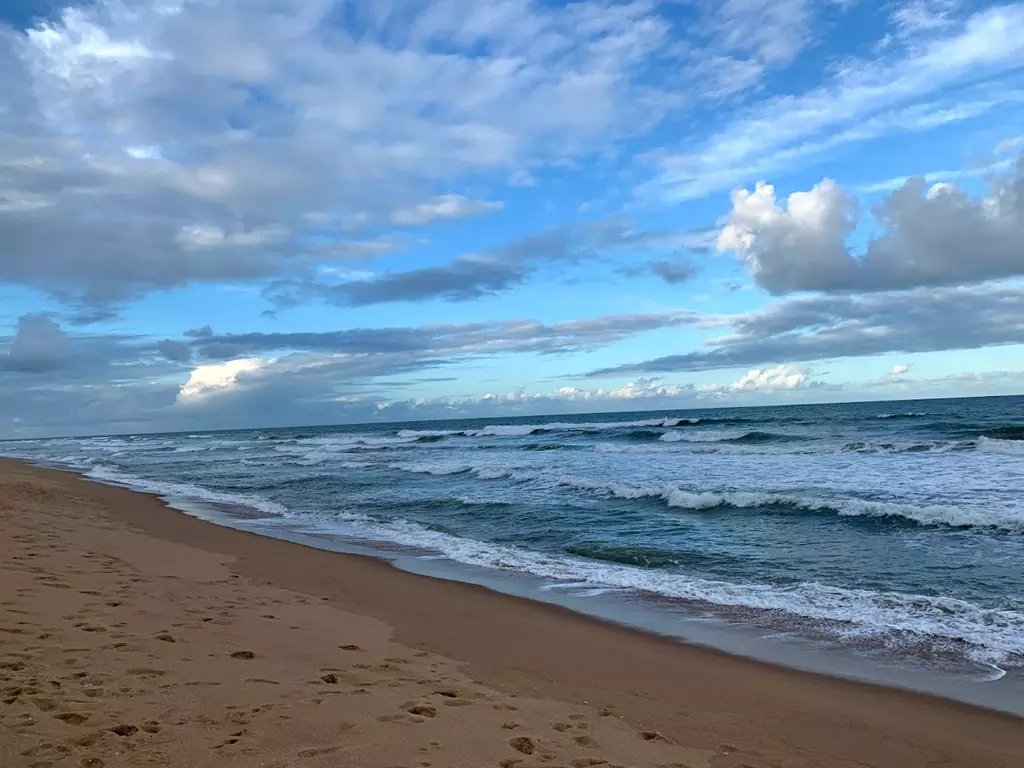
{"x":132,"y":634}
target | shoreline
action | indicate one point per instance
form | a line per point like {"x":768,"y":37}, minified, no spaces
{"x":694,"y":697}
{"x":762,"y":643}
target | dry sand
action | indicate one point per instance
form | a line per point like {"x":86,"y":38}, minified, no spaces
{"x":133,"y":635}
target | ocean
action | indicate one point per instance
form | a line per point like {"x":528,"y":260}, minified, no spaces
{"x":890,"y":533}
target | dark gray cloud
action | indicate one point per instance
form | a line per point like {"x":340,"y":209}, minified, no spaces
{"x":827,"y":327}
{"x":175,"y":351}
{"x":931,"y":236}
{"x":38,"y":345}
{"x":482,"y":338}
{"x":52,"y":380}
{"x":673,"y":271}
{"x":475,"y":275}
{"x":40,"y":353}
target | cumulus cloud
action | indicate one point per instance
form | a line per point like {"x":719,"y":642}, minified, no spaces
{"x":779,"y":377}
{"x":145,"y":146}
{"x":931,"y":235}
{"x":443,"y":207}
{"x":218,"y":377}
{"x":39,"y":345}
{"x":899,"y":369}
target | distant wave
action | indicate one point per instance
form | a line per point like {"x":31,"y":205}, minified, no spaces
{"x":908,"y":415}
{"x":932,"y":514}
{"x":755,"y":437}
{"x":521,"y":430}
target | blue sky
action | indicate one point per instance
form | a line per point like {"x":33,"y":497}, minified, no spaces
{"x":222,"y":214}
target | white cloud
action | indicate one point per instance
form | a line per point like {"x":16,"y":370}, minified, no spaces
{"x":734,"y":43}
{"x":930,"y":235}
{"x":19,"y":201}
{"x":218,"y":377}
{"x":924,"y":16}
{"x":779,"y":240}
{"x":899,"y":369}
{"x":522,"y":178}
{"x":130,"y":128}
{"x":1009,"y":145}
{"x":894,"y":183}
{"x":203,"y":236}
{"x":768,"y":30}
{"x":766,"y":379}
{"x":864,"y":100}
{"x":443,"y":207}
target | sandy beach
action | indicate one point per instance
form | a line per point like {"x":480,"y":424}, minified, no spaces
{"x":132,"y":634}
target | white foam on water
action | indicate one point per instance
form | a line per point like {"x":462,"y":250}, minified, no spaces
{"x":186,"y":490}
{"x":520,"y":430}
{"x":628,"y":448}
{"x":346,"y":442}
{"x":416,"y":434}
{"x":992,"y":636}
{"x":1011,"y":519}
{"x":470,"y":501}
{"x":1004,"y":447}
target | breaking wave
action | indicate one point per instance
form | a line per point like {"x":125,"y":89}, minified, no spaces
{"x":985,"y":635}
{"x":187,"y":490}
{"x":932,"y":514}
{"x":1008,"y":447}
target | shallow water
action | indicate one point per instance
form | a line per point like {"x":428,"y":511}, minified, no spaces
{"x":894,"y":531}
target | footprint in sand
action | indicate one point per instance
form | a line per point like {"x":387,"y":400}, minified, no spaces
{"x":523,"y":744}
{"x":418,"y":708}
{"x":145,"y":672}
{"x":653,"y":736}
{"x":72,"y":718}
{"x":317,"y":751}
{"x":400,"y":718}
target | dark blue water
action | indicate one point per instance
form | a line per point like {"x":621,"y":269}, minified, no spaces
{"x":894,"y":528}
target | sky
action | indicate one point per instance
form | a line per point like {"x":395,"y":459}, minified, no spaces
{"x":252,"y":213}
